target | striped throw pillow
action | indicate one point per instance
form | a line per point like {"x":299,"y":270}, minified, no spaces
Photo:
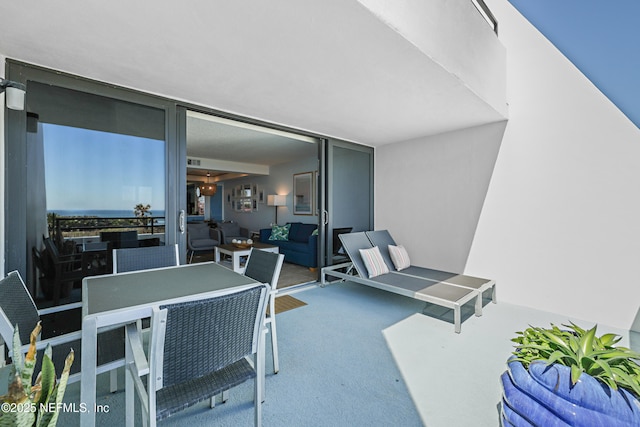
{"x":373,"y":261}
{"x":399,"y":256}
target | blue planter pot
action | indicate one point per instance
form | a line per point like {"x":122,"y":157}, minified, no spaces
{"x":543,"y":396}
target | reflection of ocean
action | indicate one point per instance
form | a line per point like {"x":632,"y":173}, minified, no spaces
{"x":105,"y":213}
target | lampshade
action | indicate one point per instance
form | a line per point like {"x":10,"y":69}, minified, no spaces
{"x":276,"y":200}
{"x":207,"y":189}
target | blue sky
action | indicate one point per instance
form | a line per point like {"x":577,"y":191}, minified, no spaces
{"x":92,"y":170}
{"x":602,"y":38}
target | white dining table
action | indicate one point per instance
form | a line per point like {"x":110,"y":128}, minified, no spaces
{"x":115,"y":300}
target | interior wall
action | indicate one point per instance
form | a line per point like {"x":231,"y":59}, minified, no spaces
{"x":560,"y":228}
{"x":279,"y":181}
{"x":429,"y":192}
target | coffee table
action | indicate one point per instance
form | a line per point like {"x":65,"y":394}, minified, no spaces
{"x":237,"y":253}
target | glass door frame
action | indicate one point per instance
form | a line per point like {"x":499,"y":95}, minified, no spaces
{"x":15,"y":171}
{"x":325,"y":187}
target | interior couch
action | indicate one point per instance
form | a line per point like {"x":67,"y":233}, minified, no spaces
{"x":301,"y":247}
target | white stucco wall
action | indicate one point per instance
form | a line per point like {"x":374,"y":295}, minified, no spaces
{"x":560,"y":226}
{"x":429,"y":192}
{"x":561,"y":223}
{"x":455,"y":36}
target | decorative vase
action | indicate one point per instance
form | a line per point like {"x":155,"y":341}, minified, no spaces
{"x":544,"y":396}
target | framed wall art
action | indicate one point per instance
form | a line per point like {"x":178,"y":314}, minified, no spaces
{"x":303,"y":193}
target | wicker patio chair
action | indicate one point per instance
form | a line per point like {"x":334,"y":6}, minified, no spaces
{"x":17,"y":308}
{"x":199,"y":348}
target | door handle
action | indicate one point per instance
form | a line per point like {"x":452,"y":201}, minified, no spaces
{"x":181,"y":219}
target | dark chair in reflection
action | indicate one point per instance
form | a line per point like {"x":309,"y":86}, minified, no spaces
{"x":120,"y":239}
{"x":61,"y":269}
{"x":338,"y":251}
{"x":59,"y":272}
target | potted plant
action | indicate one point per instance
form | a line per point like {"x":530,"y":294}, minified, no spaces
{"x":569,"y":376}
{"x":37,"y":405}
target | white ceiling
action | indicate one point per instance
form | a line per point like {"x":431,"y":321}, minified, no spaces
{"x":212,"y":140}
{"x":328,"y":67}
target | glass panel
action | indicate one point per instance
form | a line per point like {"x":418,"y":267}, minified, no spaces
{"x":91,"y":174}
{"x":104,"y":164}
{"x":349,"y":195}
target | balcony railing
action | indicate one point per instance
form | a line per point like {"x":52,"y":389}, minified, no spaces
{"x":486,"y":14}
{"x":82,"y":226}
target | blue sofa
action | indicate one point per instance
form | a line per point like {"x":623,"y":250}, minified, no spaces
{"x":302,"y":246}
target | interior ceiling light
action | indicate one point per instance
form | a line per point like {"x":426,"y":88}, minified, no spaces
{"x":208,"y":189}
{"x":15,"y":94}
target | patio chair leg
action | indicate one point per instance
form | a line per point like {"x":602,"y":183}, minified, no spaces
{"x":113,"y":381}
{"x":260,"y":367}
{"x":479,"y":305}
{"x":494,"y":298}
{"x":274,"y":334}
{"x":259,"y":386}
{"x":456,"y":319}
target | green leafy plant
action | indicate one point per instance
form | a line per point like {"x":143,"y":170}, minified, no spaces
{"x":582,"y":351}
{"x":37,"y":405}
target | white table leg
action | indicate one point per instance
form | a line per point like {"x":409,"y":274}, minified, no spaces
{"x":236,"y":262}
{"x":217,"y":254}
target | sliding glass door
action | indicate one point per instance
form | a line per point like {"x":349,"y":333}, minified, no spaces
{"x":346,"y":195}
{"x":88,"y":162}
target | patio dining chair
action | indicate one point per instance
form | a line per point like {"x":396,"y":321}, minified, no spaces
{"x":144,"y":258}
{"x":265,"y":267}
{"x":199,"y":348}
{"x":17,"y":308}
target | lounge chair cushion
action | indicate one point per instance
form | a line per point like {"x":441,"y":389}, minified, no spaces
{"x":400,"y":257}
{"x":373,"y":261}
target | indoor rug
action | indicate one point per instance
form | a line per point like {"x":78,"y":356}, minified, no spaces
{"x":292,"y":275}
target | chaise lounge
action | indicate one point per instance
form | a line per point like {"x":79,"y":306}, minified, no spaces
{"x":435,"y":288}
{"x":383,"y":239}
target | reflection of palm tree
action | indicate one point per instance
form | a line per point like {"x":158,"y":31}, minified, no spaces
{"x":141,"y":212}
